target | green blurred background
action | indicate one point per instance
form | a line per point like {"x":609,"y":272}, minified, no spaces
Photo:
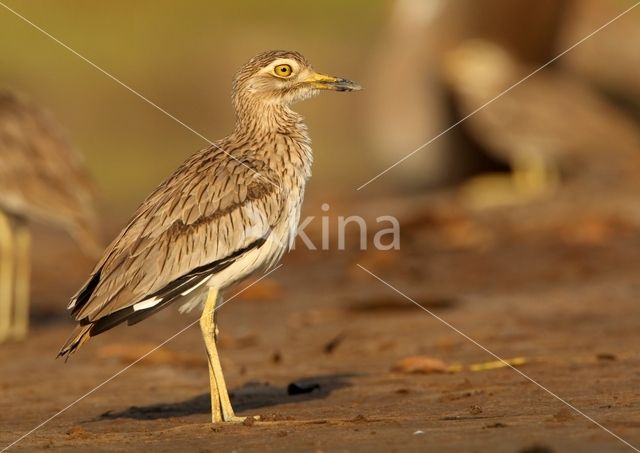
{"x":182,"y":56}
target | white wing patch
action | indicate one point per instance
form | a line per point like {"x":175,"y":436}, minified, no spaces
{"x":153,"y":301}
{"x":147,"y":303}
{"x":200,"y":283}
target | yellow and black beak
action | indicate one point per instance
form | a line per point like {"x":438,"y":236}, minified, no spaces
{"x":327,"y":82}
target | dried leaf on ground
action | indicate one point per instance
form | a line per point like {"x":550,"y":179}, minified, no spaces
{"x":484,"y":366}
{"x":420,"y":365}
{"x":393,"y":304}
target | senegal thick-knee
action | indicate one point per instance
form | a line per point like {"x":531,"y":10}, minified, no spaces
{"x":229,"y":211}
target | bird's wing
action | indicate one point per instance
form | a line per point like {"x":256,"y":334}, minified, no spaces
{"x":41,"y":175}
{"x":207,"y":214}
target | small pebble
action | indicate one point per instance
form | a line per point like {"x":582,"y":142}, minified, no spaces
{"x":298,"y":389}
{"x":496,"y":425}
{"x":249,"y":421}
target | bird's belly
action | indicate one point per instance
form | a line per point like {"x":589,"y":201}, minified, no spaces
{"x":277,"y":243}
{"x":245,"y":265}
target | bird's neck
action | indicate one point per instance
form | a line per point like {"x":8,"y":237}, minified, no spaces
{"x":271,"y":130}
{"x":267,"y":118}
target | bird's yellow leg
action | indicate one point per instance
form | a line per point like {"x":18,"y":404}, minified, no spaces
{"x":221,"y":410}
{"x":208,"y":328}
{"x":22,"y":279}
{"x":228,"y":414}
{"x":6,"y":276}
{"x":533,"y":175}
{"x":531,"y":178}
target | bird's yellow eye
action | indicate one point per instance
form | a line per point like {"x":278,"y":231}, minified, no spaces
{"x":282,"y":70}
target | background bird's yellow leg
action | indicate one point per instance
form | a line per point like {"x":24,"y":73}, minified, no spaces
{"x":531,"y":178}
{"x":534,"y":176}
{"x":6,"y":276}
{"x":22,"y":243}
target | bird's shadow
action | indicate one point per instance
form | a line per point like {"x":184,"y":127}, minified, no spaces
{"x":251,"y":396}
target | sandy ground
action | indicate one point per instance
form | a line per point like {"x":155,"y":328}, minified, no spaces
{"x":555,"y":283}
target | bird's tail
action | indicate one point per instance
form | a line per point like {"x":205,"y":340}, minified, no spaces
{"x":78,"y":337}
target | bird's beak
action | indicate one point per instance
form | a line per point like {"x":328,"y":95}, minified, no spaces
{"x":327,"y":82}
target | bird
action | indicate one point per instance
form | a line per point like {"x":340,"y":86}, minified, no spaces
{"x":229,"y":211}
{"x":42,"y":179}
{"x":547,"y":126}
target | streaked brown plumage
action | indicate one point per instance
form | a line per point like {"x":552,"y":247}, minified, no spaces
{"x":41,"y":179}
{"x":228,"y":211}
{"x":553,"y":124}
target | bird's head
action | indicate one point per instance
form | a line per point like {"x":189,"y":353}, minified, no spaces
{"x":281,"y":77}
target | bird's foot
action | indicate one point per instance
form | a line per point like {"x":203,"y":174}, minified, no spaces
{"x":237,"y":419}
{"x":497,"y":190}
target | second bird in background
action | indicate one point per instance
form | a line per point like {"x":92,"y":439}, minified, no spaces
{"x":42,"y":179}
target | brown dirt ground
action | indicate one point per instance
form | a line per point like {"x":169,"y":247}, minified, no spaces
{"x":555,"y":282}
